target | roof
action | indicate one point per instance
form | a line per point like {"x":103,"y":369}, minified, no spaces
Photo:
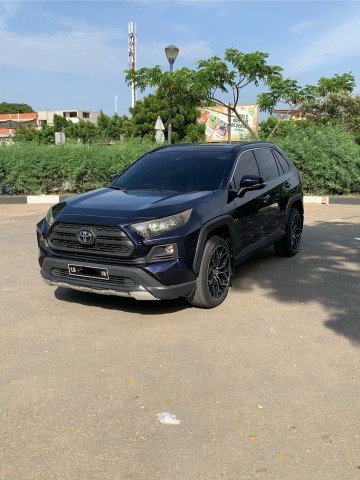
{"x":222,"y":147}
{"x":21,"y":117}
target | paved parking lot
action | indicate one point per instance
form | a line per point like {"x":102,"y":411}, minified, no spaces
{"x":265,"y":387}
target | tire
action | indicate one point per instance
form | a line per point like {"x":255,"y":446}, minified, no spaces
{"x":212,"y":283}
{"x":290,"y":244}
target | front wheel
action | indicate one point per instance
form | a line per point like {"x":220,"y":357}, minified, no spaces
{"x":290,"y":244}
{"x":212,"y":283}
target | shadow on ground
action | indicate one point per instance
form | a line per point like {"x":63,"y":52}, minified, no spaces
{"x":112,"y":302}
{"x":326,"y":270}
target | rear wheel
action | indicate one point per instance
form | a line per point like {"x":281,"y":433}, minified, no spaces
{"x":290,"y":244}
{"x":212,"y":283}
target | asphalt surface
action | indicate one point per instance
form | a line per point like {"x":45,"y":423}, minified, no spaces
{"x":264,"y":387}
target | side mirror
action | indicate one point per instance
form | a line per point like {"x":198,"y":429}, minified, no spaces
{"x":251,"y":182}
{"x":114,"y":177}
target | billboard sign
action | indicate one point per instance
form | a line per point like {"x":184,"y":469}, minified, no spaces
{"x":216,"y":122}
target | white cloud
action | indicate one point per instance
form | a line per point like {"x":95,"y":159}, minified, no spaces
{"x":337,"y":45}
{"x":301,"y":26}
{"x":73,"y":47}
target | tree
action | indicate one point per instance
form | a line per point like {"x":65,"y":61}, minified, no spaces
{"x":184,"y":118}
{"x":15,"y":108}
{"x":285,"y":91}
{"x":213,"y":79}
{"x":111,"y":128}
{"x":310,"y":99}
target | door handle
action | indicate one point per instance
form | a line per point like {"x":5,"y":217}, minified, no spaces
{"x":265,"y":198}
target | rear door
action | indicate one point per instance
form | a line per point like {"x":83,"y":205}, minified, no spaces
{"x":275,"y":178}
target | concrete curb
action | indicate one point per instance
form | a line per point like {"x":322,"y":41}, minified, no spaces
{"x":32,"y":199}
{"x":312,"y":199}
{"x":52,"y":199}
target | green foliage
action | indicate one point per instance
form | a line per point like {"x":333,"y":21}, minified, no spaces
{"x":112,"y":128}
{"x":311,"y":99}
{"x":327,"y":155}
{"x":212,"y":79}
{"x":337,"y":83}
{"x":337,"y":108}
{"x":184,"y":118}
{"x":108,"y":129}
{"x":15,"y":108}
{"x":32,"y":168}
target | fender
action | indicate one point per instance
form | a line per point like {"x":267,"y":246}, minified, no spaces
{"x":295,"y":198}
{"x":207,"y":228}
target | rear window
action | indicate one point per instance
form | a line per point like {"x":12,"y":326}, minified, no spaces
{"x":281,"y":160}
{"x":176,"y":170}
{"x":267,"y":163}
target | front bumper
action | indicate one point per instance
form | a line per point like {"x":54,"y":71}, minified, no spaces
{"x":123,"y":281}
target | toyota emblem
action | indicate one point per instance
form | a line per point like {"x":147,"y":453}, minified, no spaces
{"x":85,"y":237}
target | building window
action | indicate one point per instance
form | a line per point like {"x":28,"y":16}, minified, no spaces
{"x":86,"y":115}
{"x":70,"y":114}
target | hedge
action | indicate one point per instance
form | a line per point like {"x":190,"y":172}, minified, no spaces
{"x":328,"y":157}
{"x":28,"y":168}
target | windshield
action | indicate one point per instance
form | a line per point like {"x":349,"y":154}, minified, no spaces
{"x":184,"y":171}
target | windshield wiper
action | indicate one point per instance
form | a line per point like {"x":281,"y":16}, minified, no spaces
{"x":115,"y":187}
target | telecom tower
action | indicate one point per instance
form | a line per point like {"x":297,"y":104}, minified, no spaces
{"x":132,"y":57}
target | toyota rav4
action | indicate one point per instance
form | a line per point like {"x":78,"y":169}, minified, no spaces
{"x":175,"y":223}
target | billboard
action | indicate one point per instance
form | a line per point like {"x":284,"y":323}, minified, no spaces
{"x":216,"y":122}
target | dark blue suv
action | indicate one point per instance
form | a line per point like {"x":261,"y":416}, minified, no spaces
{"x":175,"y":223}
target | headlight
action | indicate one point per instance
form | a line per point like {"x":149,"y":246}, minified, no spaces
{"x":53,"y":211}
{"x":161,"y":225}
{"x":50,"y":216}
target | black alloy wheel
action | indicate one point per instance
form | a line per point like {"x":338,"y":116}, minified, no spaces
{"x":219,"y":272}
{"x":212,"y":284}
{"x":290,"y":244}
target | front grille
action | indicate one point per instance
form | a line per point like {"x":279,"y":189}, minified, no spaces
{"x":61,"y":273}
{"x":109,"y":240}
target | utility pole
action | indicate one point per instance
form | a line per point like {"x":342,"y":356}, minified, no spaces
{"x":116,"y":99}
{"x":132,"y":57}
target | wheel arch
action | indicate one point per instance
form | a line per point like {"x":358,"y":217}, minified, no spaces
{"x":297,"y":203}
{"x":222,"y":227}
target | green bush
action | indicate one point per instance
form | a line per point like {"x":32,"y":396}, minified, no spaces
{"x":328,"y":156}
{"x":31,"y":168}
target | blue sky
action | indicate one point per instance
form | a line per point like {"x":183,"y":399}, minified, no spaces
{"x":72,"y":54}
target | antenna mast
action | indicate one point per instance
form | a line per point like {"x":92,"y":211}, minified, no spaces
{"x":132,"y":57}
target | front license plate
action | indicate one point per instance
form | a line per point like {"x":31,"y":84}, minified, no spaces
{"x":88,"y":272}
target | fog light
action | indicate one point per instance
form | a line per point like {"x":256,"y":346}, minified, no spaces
{"x":169,"y":249}
{"x":163,"y":253}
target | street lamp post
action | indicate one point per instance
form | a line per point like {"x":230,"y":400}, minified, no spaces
{"x":171,"y":52}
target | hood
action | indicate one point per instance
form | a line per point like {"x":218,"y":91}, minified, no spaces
{"x":128,"y":206}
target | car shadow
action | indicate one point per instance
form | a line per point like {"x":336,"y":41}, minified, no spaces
{"x":326,"y":271}
{"x":130,"y":305}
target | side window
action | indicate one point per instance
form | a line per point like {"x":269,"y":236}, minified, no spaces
{"x":267,"y":163}
{"x":246,"y":165}
{"x":284,"y":164}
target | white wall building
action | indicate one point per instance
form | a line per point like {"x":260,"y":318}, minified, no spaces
{"x":46,"y":117}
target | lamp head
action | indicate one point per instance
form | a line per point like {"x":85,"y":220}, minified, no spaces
{"x":171,"y":52}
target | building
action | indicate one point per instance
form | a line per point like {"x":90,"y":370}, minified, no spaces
{"x":289,"y":114}
{"x":46,"y":117}
{"x":10,"y":122}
